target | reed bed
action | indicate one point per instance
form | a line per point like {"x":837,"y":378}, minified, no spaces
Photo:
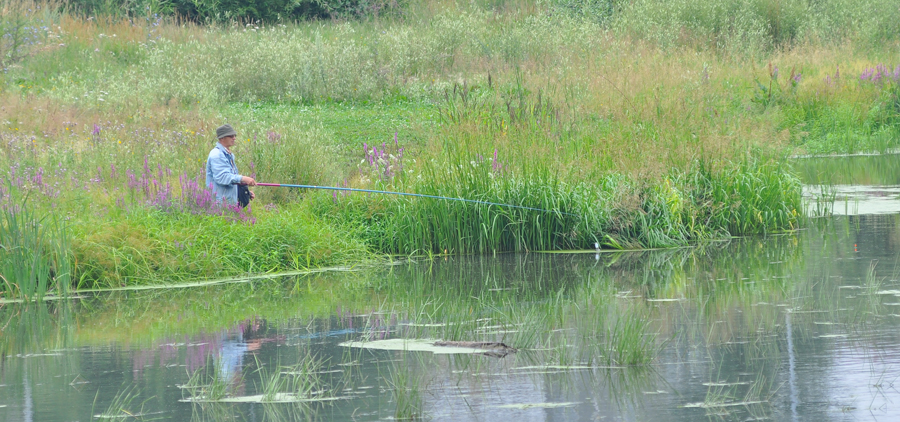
{"x":36,"y":256}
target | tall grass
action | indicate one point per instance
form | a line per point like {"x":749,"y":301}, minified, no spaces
{"x":36,"y":255}
{"x":697,"y":201}
{"x":740,"y":26}
{"x":24,"y":29}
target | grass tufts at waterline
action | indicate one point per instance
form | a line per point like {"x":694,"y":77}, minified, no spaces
{"x":615,"y":211}
{"x":35,"y":258}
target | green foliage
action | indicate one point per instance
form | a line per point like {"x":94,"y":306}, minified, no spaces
{"x":208,"y":382}
{"x":35,"y":258}
{"x":565,"y":209}
{"x":210,"y":11}
{"x":122,"y":406}
{"x":740,"y":26}
{"x":151,"y":245}
{"x":834,"y":122}
{"x":407,"y":389}
{"x":750,"y":197}
{"x":744,"y":198}
{"x":629,"y":340}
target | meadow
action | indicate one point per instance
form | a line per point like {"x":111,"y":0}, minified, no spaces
{"x":639,"y":124}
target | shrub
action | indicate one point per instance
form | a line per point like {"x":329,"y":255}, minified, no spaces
{"x":210,"y":11}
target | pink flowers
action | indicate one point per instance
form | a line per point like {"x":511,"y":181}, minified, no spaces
{"x":880,"y":74}
{"x":383,"y":163}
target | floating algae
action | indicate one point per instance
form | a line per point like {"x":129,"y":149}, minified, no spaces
{"x":437,"y":347}
{"x":524,"y":406}
{"x":261,"y":398}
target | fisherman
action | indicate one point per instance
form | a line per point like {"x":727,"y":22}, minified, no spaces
{"x":222,"y":176}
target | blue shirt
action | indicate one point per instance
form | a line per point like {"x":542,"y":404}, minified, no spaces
{"x":221,"y":174}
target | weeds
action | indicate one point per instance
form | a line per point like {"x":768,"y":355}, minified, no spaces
{"x":207,"y":384}
{"x":122,"y":407}
{"x":306,"y":380}
{"x":407,"y":388}
{"x":629,"y":341}
{"x":35,"y":258}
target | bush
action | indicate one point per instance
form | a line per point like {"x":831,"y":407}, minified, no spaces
{"x":255,"y":11}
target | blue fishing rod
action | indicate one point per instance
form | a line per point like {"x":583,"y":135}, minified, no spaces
{"x":418,"y":195}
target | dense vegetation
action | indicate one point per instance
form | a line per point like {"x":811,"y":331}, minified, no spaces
{"x":633,"y":124}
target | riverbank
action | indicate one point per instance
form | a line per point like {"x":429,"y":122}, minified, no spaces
{"x":623,"y":139}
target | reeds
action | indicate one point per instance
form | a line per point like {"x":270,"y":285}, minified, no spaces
{"x":207,"y":384}
{"x":35,"y":258}
{"x":122,"y":406}
{"x":745,"y":198}
{"x":407,"y":388}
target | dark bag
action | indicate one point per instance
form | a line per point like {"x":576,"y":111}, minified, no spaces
{"x":243,"y":195}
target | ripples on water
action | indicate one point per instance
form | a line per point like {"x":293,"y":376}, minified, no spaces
{"x":793,"y":327}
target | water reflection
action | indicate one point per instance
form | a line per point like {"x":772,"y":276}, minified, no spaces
{"x":857,"y":185}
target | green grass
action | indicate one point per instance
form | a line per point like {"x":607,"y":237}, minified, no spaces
{"x":122,"y":407}
{"x":36,"y":256}
{"x":148,"y":246}
{"x":407,"y":388}
{"x":207,"y":383}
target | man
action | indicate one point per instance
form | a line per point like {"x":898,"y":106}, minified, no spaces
{"x":222,"y":176}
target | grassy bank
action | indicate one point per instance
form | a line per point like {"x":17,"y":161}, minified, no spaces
{"x":626,"y":129}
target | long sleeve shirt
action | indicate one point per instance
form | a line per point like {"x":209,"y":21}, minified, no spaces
{"x":222,"y":176}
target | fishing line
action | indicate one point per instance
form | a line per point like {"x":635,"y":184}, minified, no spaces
{"x":418,"y":195}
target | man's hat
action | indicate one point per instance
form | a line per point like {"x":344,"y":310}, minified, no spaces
{"x":225,"y":130}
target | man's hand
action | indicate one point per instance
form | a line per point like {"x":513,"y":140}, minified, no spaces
{"x":249,"y":181}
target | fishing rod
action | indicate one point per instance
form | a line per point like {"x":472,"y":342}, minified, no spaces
{"x":418,"y":195}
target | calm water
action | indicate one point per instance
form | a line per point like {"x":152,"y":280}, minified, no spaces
{"x":801,"y":326}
